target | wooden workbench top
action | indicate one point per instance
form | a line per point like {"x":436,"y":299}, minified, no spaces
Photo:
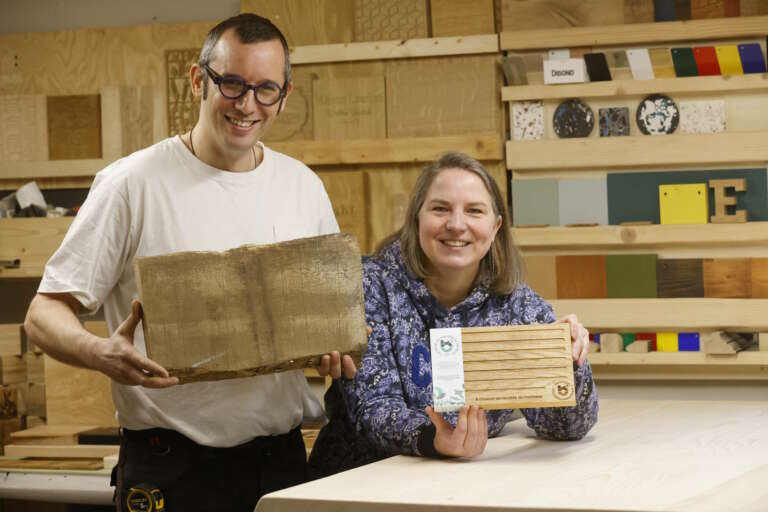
{"x":648,"y":455}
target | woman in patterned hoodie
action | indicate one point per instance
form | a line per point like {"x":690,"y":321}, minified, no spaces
{"x":452,"y":264}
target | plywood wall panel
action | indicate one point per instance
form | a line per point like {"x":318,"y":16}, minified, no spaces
{"x":461,"y":18}
{"x":137,"y":118}
{"x":307,"y":23}
{"x":386,"y":20}
{"x":349,"y":108}
{"x":539,"y":14}
{"x":388,"y":190}
{"x":346,"y":189}
{"x":445,"y":96}
{"x":23,"y":128}
{"x":77,"y":396}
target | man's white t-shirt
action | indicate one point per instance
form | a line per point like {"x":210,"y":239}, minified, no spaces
{"x":162,"y":200}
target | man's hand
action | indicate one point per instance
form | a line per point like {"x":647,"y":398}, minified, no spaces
{"x":119,"y":359}
{"x":333,"y":364}
{"x":469,"y":437}
{"x":579,"y":338}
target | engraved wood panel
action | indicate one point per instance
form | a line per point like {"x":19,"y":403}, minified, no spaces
{"x":638,"y":11}
{"x":23,"y":128}
{"x":540,"y":14}
{"x":74,"y":127}
{"x":445,"y":96}
{"x":518,"y":366}
{"x":76,"y":396}
{"x":295,"y":119}
{"x":387,"y":20}
{"x":183,"y":107}
{"x":253,"y":309}
{"x":346,"y":189}
{"x":581,"y":277}
{"x":306,"y":23}
{"x":461,"y":18}
{"x":727,"y":277}
{"x":349,"y":108}
{"x":388,"y":190}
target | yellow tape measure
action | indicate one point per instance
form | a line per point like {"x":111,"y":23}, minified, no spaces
{"x":145,"y":498}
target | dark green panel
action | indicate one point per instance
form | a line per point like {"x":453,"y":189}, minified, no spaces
{"x":631,"y":276}
{"x":634,"y":196}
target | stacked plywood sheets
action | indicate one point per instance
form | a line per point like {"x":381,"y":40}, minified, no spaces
{"x":253,"y":309}
{"x":518,"y":366}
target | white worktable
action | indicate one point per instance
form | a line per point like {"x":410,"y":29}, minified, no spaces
{"x":643,"y":455}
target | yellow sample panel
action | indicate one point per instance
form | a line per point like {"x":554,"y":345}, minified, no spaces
{"x":729,"y":60}
{"x":666,"y":342}
{"x":684,"y":204}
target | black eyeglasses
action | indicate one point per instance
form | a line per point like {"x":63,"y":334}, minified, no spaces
{"x":234,"y":87}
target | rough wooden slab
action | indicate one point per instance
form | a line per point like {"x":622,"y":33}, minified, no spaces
{"x":66,"y":464}
{"x":61,"y":452}
{"x":253,"y":309}
{"x":50,"y":435}
{"x":518,"y":366}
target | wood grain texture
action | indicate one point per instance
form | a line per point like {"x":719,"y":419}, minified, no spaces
{"x":518,"y":366}
{"x":34,"y":364}
{"x":543,"y":14}
{"x":137,"y":118}
{"x":33,"y":240}
{"x":461,"y":18}
{"x":581,"y":277}
{"x":77,"y":396}
{"x":638,"y":11}
{"x":12,"y":370}
{"x":9,"y":400}
{"x":727,"y":277}
{"x":89,"y":464}
{"x":679,"y":278}
{"x":182,"y":107}
{"x":388,"y":190}
{"x":753,"y":7}
{"x":346,"y":189}
{"x":541,"y":275}
{"x":63,"y":452}
{"x":303,"y":23}
{"x":349,"y":108}
{"x":34,"y":399}
{"x":446,"y":96}
{"x":23,"y":128}
{"x":704,"y":9}
{"x":10,"y":340}
{"x":74,"y":127}
{"x":286,"y":305}
{"x":759,"y":277}
{"x":385,"y":20}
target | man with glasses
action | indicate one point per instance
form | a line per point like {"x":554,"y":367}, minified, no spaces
{"x":207,"y":445}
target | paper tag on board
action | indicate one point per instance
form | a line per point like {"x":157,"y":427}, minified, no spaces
{"x":448,"y":392}
{"x":566,"y":71}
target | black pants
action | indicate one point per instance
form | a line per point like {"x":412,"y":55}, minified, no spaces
{"x":192,"y":477}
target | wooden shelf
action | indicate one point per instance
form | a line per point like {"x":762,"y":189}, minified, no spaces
{"x":417,"y":149}
{"x":397,"y":49}
{"x":636,"y":33}
{"x":638,"y":315}
{"x":613,"y":88}
{"x":680,"y":366}
{"x":647,"y":150}
{"x":656,"y":236}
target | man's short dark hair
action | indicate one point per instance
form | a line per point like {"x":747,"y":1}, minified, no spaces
{"x":249,"y":28}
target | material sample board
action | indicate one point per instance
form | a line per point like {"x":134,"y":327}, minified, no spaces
{"x":541,"y":275}
{"x":727,"y":278}
{"x":253,"y":309}
{"x":583,"y":201}
{"x":535,"y":202}
{"x":23,"y":128}
{"x":635,"y":196}
{"x":74,"y":127}
{"x":518,"y":366}
{"x":581,"y":277}
{"x":679,"y":278}
{"x":631,"y":275}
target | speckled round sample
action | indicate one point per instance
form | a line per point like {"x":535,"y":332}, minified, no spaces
{"x":657,"y":114}
{"x":573,"y":118}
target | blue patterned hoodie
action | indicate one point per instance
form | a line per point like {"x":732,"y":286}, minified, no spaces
{"x":385,"y":402}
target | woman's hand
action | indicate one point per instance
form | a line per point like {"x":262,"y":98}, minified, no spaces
{"x":469,"y":437}
{"x":579,"y":338}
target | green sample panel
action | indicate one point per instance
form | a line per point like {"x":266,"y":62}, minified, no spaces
{"x":631,"y":276}
{"x":634,"y":197}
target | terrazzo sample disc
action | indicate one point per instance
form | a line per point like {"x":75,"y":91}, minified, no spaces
{"x":573,"y":118}
{"x":528,"y":120}
{"x":657,"y":114}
